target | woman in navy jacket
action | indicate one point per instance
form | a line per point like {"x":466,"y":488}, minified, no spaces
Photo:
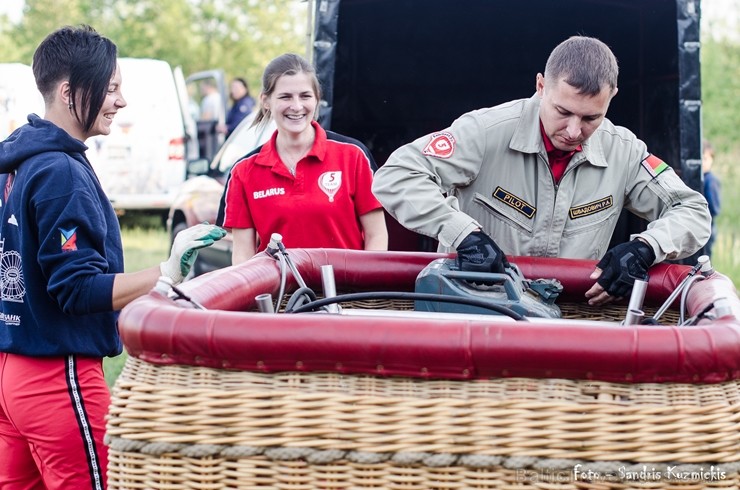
{"x":61,"y":265}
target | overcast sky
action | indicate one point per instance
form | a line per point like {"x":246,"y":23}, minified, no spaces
{"x":12,"y":8}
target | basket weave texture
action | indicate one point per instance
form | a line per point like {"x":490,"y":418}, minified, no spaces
{"x":186,"y":427}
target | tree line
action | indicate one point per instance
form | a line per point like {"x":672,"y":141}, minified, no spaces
{"x":241,"y":36}
{"x":238,"y":36}
{"x":720,"y":86}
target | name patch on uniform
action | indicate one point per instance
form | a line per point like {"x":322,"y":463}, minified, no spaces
{"x":442,"y":145}
{"x":654,"y":165}
{"x":275,"y":191}
{"x":512,"y":201}
{"x":591,"y":208}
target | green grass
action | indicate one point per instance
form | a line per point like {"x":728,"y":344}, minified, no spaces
{"x":144,"y":246}
{"x":145,"y":243}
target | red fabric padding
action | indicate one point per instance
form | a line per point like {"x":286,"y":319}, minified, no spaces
{"x":159,"y":330}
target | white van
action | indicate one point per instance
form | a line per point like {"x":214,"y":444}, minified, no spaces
{"x":141,"y":164}
{"x":19,"y":97}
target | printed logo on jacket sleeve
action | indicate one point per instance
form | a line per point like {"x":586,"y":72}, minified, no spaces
{"x":69,"y":239}
{"x":442,"y":145}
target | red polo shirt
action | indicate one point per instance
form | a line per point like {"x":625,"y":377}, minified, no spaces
{"x":319,"y":207}
{"x":558,"y":158}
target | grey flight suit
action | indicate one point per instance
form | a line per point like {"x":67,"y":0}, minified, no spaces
{"x":489,"y":169}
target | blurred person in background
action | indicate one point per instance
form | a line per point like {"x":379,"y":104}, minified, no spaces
{"x":242,"y":105}
{"x":211,"y":116}
{"x":211,"y":105}
{"x":63,"y":281}
{"x":310,"y":185}
{"x":712,"y":192}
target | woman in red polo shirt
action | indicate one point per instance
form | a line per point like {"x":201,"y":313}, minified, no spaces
{"x":310,"y":185}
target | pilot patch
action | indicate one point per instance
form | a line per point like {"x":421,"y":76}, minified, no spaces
{"x":512,"y":201}
{"x":654,"y":165}
{"x":591,"y":208}
{"x":442,"y":145}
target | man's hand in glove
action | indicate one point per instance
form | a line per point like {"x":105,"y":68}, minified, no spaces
{"x":479,"y":253}
{"x":185,"y":249}
{"x":617,"y":271}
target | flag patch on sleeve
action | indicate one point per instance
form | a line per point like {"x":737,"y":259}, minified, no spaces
{"x":654,"y":165}
{"x":69,"y":239}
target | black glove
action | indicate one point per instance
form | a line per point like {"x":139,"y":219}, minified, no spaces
{"x":479,"y":253}
{"x":622,"y":265}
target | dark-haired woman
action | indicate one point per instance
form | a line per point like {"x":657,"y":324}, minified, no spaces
{"x":61,"y":264}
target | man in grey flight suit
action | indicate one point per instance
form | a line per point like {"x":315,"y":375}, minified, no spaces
{"x":547,"y":176}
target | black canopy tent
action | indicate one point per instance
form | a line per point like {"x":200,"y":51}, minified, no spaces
{"x":393,"y":70}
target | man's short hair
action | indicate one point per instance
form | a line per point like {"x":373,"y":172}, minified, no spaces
{"x":585,"y":63}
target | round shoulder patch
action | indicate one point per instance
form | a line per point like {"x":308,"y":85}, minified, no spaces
{"x":442,"y":145}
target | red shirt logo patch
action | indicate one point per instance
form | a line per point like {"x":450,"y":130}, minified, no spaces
{"x":442,"y":145}
{"x":330,"y":182}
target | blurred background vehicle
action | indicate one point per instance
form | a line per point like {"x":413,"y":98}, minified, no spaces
{"x":198,"y":198}
{"x":142,"y":163}
{"x":18,"y":97}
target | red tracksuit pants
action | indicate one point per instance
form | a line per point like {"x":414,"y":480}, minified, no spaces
{"x":52,"y":423}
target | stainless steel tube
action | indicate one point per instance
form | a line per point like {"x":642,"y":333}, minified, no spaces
{"x":634,"y":317}
{"x":329,"y":285}
{"x":264,"y":303}
{"x":634,"y":309}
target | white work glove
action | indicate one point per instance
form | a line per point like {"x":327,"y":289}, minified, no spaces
{"x":185,"y":250}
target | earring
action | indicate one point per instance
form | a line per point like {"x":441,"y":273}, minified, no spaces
{"x":71,"y":105}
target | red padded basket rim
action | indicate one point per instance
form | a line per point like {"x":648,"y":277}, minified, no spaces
{"x":161,"y":331}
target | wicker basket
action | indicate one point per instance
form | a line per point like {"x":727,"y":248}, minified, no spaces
{"x":186,"y":426}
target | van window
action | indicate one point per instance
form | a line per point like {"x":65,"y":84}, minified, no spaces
{"x":19,"y":97}
{"x":141,"y":164}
